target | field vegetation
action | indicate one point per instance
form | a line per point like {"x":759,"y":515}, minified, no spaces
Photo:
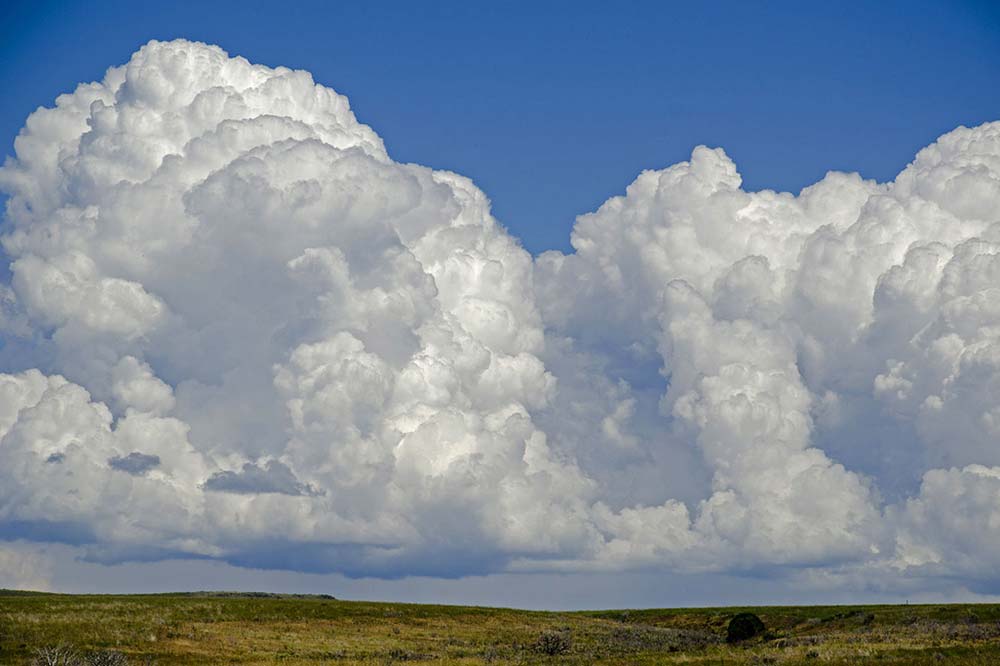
{"x":220,"y":628}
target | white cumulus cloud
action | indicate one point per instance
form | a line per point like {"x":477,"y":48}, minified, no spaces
{"x":236,"y":328}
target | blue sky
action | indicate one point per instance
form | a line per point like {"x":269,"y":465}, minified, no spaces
{"x":552,"y":107}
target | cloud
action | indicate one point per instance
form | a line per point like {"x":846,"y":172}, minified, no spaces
{"x":813,"y":347}
{"x":223,"y":285}
{"x":274,"y":477}
{"x":24,"y":567}
{"x":135,"y":463}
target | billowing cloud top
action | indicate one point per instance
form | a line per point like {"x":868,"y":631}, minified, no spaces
{"x":235,"y":328}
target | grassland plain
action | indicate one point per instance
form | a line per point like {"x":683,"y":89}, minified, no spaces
{"x":223,"y":628}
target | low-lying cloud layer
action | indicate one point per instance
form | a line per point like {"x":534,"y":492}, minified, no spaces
{"x":235,"y":328}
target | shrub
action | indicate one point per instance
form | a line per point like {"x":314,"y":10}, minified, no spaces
{"x":106,"y":658}
{"x":553,"y":642}
{"x":59,"y":655}
{"x":399,"y":654}
{"x":62,"y":655}
{"x":744,"y":626}
{"x":491,"y":654}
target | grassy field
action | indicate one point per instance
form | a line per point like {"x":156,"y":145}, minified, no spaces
{"x":245,"y":629}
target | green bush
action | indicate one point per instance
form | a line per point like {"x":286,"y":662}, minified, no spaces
{"x":552,"y":643}
{"x":744,"y":626}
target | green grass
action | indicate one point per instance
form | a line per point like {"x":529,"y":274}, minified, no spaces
{"x":220,"y":628}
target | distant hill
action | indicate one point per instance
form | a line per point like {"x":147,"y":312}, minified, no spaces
{"x":211,"y":594}
{"x":225,"y":594}
{"x":22,"y":593}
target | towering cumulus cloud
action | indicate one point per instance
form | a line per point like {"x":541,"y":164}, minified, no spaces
{"x":235,"y":328}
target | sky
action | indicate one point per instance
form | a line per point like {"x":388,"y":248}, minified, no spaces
{"x":551,"y":308}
